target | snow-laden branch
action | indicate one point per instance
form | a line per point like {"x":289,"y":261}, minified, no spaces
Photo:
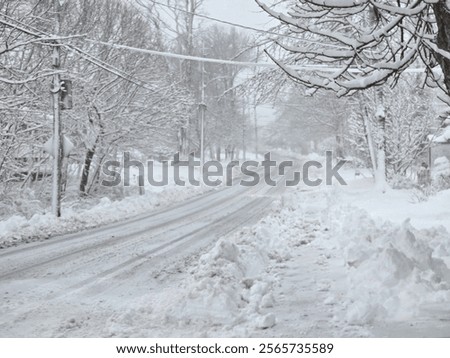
{"x":38,"y":40}
{"x":374,"y":40}
{"x":436,"y":49}
{"x":396,"y":10}
{"x":36,"y":77}
{"x":338,"y":3}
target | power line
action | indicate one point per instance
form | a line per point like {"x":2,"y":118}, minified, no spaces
{"x":88,"y":57}
{"x":323,"y":68}
{"x":182,"y":57}
{"x":130,"y":78}
{"x":245,"y":27}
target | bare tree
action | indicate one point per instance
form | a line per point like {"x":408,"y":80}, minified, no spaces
{"x":122,"y":100}
{"x":224,"y":107}
{"x":300,"y":126}
{"x":409,"y":120}
{"x":178,"y":18}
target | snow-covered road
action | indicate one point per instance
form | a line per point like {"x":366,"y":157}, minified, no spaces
{"x":42,"y":285}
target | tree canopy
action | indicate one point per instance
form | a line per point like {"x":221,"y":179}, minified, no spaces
{"x":363,"y":43}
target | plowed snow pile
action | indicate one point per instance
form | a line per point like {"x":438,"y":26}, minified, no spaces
{"x":393,"y":270}
{"x":232,"y":285}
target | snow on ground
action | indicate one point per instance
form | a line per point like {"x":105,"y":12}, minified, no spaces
{"x":399,"y":205}
{"x":322,"y":266}
{"x":18,"y":229}
{"x":235,"y":280}
{"x":328,"y":261}
{"x":75,"y":217}
{"x":392,"y":270}
{"x":237,"y":287}
{"x":316,"y":266}
{"x":396,"y":251}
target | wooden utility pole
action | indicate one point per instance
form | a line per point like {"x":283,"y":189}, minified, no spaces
{"x":255,"y":112}
{"x":57,"y":130}
{"x":202,"y":114}
{"x":244,"y":132}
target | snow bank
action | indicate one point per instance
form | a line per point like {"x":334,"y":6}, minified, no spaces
{"x":393,"y":270}
{"x":232,"y":284}
{"x":375,"y":270}
{"x":229,"y":283}
{"x":76,"y":216}
{"x":17,"y":229}
{"x":397,"y":205}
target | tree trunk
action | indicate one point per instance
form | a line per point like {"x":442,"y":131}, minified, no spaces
{"x":96,"y":178}
{"x":232,"y":152}
{"x":380,"y":173}
{"x":442,"y":12}
{"x":369,"y":139}
{"x":87,"y":166}
{"x":90,"y":154}
{"x":218,"y":154}
{"x":339,"y":147}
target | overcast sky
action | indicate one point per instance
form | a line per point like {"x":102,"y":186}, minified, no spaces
{"x":245,"y":12}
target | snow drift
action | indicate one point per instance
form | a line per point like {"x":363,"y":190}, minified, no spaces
{"x":394,"y":271}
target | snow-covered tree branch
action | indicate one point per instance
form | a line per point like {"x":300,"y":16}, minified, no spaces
{"x":371,"y":41}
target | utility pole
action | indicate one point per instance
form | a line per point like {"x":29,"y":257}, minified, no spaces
{"x":244,"y":130}
{"x":202,"y":115}
{"x":57,"y":130}
{"x":255,"y":111}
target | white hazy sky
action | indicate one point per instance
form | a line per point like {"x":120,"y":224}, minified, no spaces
{"x":245,"y":12}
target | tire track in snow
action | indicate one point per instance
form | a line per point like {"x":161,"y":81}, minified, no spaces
{"x":127,"y":231}
{"x":257,"y":204}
